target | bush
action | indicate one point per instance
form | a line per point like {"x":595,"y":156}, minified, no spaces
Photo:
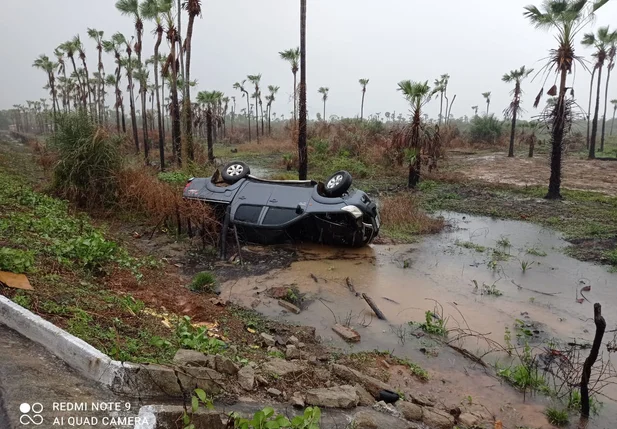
{"x":88,"y":161}
{"x":203,"y":281}
{"x":15,"y":260}
{"x":485,"y":129}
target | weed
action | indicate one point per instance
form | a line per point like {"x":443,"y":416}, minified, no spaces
{"x":470,"y":245}
{"x":403,"y":219}
{"x":574,"y":402}
{"x":23,"y":300}
{"x":611,"y":257}
{"x":499,"y":256}
{"x":525,"y":265}
{"x":277,"y":354}
{"x":196,"y":338}
{"x":173,"y":177}
{"x":433,"y":324}
{"x":203,"y":282}
{"x":266,"y":418}
{"x":557,"y":417}
{"x":503,"y":242}
{"x":198,"y":398}
{"x":487,"y":289}
{"x":16,"y":260}
{"x":534,"y":251}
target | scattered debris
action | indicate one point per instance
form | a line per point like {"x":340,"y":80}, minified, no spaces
{"x":274,"y":392}
{"x":289,"y":306}
{"x":382,"y":407}
{"x":268,"y":339}
{"x":391,"y":300}
{"x":246,"y":377}
{"x":346,"y":333}
{"x":371,"y":304}
{"x":297,"y":400}
{"x":15,"y":281}
{"x":350,"y":286}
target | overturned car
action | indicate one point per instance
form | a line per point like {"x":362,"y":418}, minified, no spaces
{"x":268,"y":211}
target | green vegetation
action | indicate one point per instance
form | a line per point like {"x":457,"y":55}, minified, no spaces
{"x":534,"y":251}
{"x":196,"y":338}
{"x":470,"y":245}
{"x":434,"y":325}
{"x":203,"y":282}
{"x":486,"y":129}
{"x":574,"y":403}
{"x":557,"y":417}
{"x":267,"y":419}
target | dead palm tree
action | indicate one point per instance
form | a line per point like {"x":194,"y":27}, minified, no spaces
{"x":193,"y":7}
{"x":614,"y":103}
{"x":155,"y":10}
{"x":97,"y":36}
{"x":240,"y":86}
{"x":441,"y":87}
{"x":567,"y":18}
{"x":487,"y":97}
{"x":324,"y":96}
{"x":255,"y":80}
{"x":601,"y":42}
{"x":363,"y":84}
{"x":516,"y":76}
{"x":302,"y":147}
{"x":293,"y":57}
{"x":44,"y":63}
{"x":475,"y":110}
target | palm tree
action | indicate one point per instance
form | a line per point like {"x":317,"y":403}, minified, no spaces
{"x":475,"y":110}
{"x":129,"y":65}
{"x":363,"y":83}
{"x":417,"y":94}
{"x":324,"y":96}
{"x":240,"y":86}
{"x":44,"y":63}
{"x":141,"y":74}
{"x":112,"y":46}
{"x":614,"y":103}
{"x":601,"y":43}
{"x":69,"y":48}
{"x":61,"y":66}
{"x":302,"y":148}
{"x":170,"y":68}
{"x":516,"y":76}
{"x":293,"y":57}
{"x":154,"y":10}
{"x":131,"y":8}
{"x":567,"y":17}
{"x":270,"y":98}
{"x":209,"y":100}
{"x":97,"y":36}
{"x":193,"y":7}
{"x":255,"y":79}
{"x":487,"y":97}
{"x":611,"y":64}
{"x":82,"y":56}
{"x":441,"y":87}
{"x":111,"y":81}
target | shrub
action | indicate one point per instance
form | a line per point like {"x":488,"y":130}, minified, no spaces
{"x":88,"y":160}
{"x":485,"y":129}
{"x":402,"y":217}
{"x":203,"y":281}
{"x":16,"y":260}
{"x":557,"y":417}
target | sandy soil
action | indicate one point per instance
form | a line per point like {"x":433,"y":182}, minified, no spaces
{"x":577,"y":173}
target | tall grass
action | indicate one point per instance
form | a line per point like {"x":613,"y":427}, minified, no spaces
{"x":88,"y":161}
{"x":402,"y":217}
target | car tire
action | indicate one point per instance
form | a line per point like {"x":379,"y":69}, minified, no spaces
{"x":234,"y":171}
{"x":337,"y":184}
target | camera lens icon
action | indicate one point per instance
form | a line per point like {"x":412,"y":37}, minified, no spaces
{"x":31,"y":414}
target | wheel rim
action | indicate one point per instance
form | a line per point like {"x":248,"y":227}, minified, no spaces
{"x":335,"y":181}
{"x":235,"y":170}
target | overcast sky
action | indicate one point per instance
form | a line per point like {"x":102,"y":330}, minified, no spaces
{"x":475,"y":41}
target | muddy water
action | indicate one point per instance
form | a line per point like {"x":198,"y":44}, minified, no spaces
{"x":438,"y":275}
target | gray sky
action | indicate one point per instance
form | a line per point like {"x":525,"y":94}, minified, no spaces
{"x":475,"y":41}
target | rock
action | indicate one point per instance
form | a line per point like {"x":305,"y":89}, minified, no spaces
{"x":301,"y":345}
{"x":246,"y":378}
{"x":365,"y":420}
{"x":204,"y":378}
{"x":292,"y":352}
{"x":274,"y":392}
{"x":468,"y":420}
{"x":333,"y":397}
{"x":423,"y":400}
{"x":371,"y":384}
{"x":411,"y":412}
{"x":289,"y":306}
{"x":437,"y":419}
{"x":297,"y":400}
{"x":382,"y":407}
{"x":185,"y":357}
{"x":280,"y":341}
{"x":262,"y":381}
{"x":346,"y":333}
{"x":281,"y":367}
{"x":268,"y":339}
{"x":365,"y":399}
{"x":278,"y":292}
{"x":292,"y":340}
{"x":224,"y":365}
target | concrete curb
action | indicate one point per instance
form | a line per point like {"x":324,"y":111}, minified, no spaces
{"x":146,"y":381}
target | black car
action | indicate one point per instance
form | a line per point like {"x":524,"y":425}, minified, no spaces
{"x":268,"y":211}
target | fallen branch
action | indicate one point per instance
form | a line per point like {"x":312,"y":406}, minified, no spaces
{"x":350,"y":286}
{"x":591,"y":359}
{"x":376,"y":309}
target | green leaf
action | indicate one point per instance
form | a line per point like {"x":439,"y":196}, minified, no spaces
{"x":268,"y":411}
{"x":194,"y":403}
{"x":186,"y":419}
{"x":272,"y":425}
{"x":201,"y":395}
{"x":283,"y":421}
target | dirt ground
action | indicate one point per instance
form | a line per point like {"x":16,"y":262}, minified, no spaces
{"x":579,"y":174}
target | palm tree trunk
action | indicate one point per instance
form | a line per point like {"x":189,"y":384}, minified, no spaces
{"x":511,"y":150}
{"x":362,"y":106}
{"x":144,"y":120}
{"x":593,"y":73}
{"x":248,"y":113}
{"x":295,"y":100}
{"x":133,"y":115}
{"x":187,"y":110}
{"x":54,"y":100}
{"x":441,"y":108}
{"x":83,"y":100}
{"x":488,"y":105}
{"x":162,"y":112}
{"x":302,"y":148}
{"x":209,"y":134}
{"x":594,"y":124}
{"x":445,"y":95}
{"x":261,"y":107}
{"x":257,"y":118}
{"x":613,"y":122}
{"x":608,"y":78}
{"x":159,"y":39}
{"x":554,"y":185}
{"x":324,"y":110}
{"x":123,"y":116}
{"x":269,"y":113}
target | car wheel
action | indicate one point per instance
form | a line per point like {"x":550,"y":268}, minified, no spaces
{"x":235,"y":171}
{"x":338,"y":184}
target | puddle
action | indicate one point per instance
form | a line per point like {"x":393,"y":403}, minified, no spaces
{"x":438,"y":275}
